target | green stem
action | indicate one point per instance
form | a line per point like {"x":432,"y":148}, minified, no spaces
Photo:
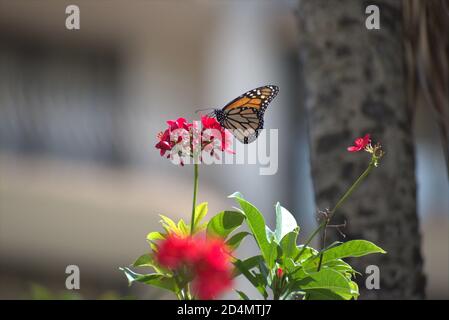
{"x":323,"y":244}
{"x":179,"y":292}
{"x":309,"y":239}
{"x":353,"y":187}
{"x":326,"y":221}
{"x":195,"y":190}
{"x":341,"y":201}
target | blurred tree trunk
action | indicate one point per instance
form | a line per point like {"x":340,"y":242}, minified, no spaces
{"x":355,"y":84}
{"x":426,"y":26}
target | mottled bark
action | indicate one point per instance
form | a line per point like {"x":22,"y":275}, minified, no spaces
{"x":354,"y":81}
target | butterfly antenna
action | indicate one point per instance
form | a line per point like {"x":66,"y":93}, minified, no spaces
{"x":207,"y":109}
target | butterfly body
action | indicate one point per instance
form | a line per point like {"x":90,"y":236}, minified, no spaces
{"x":243,"y":116}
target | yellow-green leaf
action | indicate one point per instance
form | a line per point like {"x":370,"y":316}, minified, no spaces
{"x":200,"y":213}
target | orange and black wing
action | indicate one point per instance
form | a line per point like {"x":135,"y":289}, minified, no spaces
{"x":258,"y":98}
{"x":243,"y":116}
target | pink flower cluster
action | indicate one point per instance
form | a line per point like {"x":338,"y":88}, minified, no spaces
{"x":187,"y":139}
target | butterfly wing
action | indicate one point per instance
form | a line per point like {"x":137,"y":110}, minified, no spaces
{"x":244,"y":124}
{"x":258,"y":98}
{"x":243,"y":116}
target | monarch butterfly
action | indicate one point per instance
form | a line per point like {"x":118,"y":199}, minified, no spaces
{"x":243,"y":116}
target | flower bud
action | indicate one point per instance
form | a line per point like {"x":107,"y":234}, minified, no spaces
{"x":279,"y":272}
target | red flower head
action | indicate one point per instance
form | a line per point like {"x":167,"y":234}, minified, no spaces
{"x":210,"y":284}
{"x":279,"y":272}
{"x":360,"y":143}
{"x":175,"y":251}
{"x":213,"y":270}
{"x":207,"y":260}
{"x":215,"y":256}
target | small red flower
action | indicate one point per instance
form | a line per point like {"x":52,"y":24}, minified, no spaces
{"x":173,"y":135}
{"x":210,"y":123}
{"x":279,"y":272}
{"x":180,"y":123}
{"x":164,"y":143}
{"x":360,"y":143}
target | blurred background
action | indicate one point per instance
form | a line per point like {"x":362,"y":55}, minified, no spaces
{"x":80,"y":180}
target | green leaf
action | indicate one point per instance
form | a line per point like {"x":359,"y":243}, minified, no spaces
{"x":272,"y":255}
{"x":236,"y":195}
{"x":307,"y":252}
{"x":183,"y":227}
{"x":154,"y":279}
{"x":242,"y":295}
{"x":246,"y":265}
{"x":311,"y":265}
{"x":333,"y":244}
{"x":285,"y":222}
{"x":352,"y":248}
{"x":152,"y":237}
{"x":270,"y":234}
{"x":293,"y":295}
{"x":169,"y":225}
{"x":323,"y":294}
{"x":264,"y":272}
{"x":234,"y":242}
{"x":257,"y":280}
{"x":327,"y":284}
{"x":288,"y":244}
{"x":354,"y":289}
{"x":340,"y":266}
{"x":262,"y":284}
{"x":290,"y":265}
{"x":145,"y":260}
{"x":224,"y":223}
{"x":200,"y":213}
{"x":256,"y":223}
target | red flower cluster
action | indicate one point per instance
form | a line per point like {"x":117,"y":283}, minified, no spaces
{"x":186,"y":139}
{"x":215,"y":136}
{"x":360,"y":143}
{"x":173,"y":135}
{"x":208,"y":260}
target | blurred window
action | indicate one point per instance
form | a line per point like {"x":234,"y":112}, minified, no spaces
{"x":60,"y":101}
